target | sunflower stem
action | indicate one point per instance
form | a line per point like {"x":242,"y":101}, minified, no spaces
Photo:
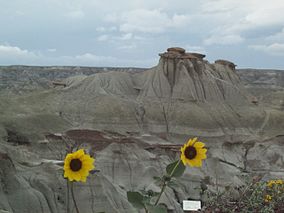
{"x":174,"y":169}
{"x":73,"y":197}
{"x":162,"y":190}
{"x":67,"y":199}
{"x":165,"y":183}
{"x":146,"y":210}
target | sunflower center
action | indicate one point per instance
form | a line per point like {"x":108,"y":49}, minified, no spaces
{"x":190,"y":152}
{"x":75,"y":165}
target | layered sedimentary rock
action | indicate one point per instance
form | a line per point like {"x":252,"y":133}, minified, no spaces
{"x":188,"y":77}
{"x":134,"y":124}
{"x":266,"y":85}
{"x":179,"y":95}
{"x":226,"y":63}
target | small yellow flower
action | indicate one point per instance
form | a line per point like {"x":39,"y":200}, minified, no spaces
{"x":272,"y":183}
{"x":268,"y":198}
{"x":193,"y":152}
{"x":77,"y":166}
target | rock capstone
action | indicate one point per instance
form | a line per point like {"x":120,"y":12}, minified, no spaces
{"x":226,"y":63}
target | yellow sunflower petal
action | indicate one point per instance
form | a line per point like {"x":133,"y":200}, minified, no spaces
{"x":203,"y":151}
{"x":83,"y":174}
{"x":197,"y":163}
{"x":68,"y":158}
{"x":77,"y":176}
{"x":184,"y":160}
{"x":70,"y":177}
{"x":79,"y":153}
{"x":66,"y":166}
{"x":202,"y":156}
{"x":66,"y":173}
{"x":88,"y":166}
{"x":84,"y":179}
{"x":194,"y":140}
{"x":190,"y":163}
{"x":189,"y":143}
{"x":197,"y":158}
{"x":199,"y":145}
{"x":87,"y":158}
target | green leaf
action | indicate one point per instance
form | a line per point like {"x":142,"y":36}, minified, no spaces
{"x":136,"y":199}
{"x":157,"y":178}
{"x":173,"y":184}
{"x":178,"y":169}
{"x":155,"y":194}
{"x":144,"y":192}
{"x":156,"y":209}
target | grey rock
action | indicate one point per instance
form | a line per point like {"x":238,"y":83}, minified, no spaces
{"x":134,"y":121}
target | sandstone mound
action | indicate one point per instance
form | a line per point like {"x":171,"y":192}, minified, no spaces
{"x":181,"y":94}
{"x":185,"y":76}
{"x":176,"y":50}
{"x":226,"y":63}
{"x":135,"y":123}
{"x":198,"y":55}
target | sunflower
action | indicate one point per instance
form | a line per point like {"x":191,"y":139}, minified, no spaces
{"x":77,"y":165}
{"x":193,"y":152}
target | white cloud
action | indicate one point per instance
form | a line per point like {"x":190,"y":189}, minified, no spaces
{"x":106,"y":29}
{"x":7,"y":51}
{"x":90,"y":58}
{"x":75,"y":14}
{"x":19,"y":13}
{"x":232,"y":19}
{"x":51,"y":50}
{"x":12,"y":55}
{"x":103,"y":37}
{"x":126,"y":36}
{"x":112,"y":18}
{"x":277,"y":37}
{"x":243,"y":14}
{"x":266,"y":13}
{"x":140,"y":28}
{"x":127,"y":47}
{"x":15,"y":55}
{"x":271,"y":49}
{"x":223,"y":39}
{"x":179,"y":21}
{"x":148,"y":21}
{"x":100,"y":29}
{"x":198,"y":49}
{"x":119,"y":39}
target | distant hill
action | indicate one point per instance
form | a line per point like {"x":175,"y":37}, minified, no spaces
{"x":134,"y":121}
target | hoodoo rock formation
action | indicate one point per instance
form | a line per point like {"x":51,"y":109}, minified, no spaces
{"x":186,"y":76}
{"x":135,"y":123}
{"x":198,"y":55}
{"x":226,"y":63}
{"x":181,"y":94}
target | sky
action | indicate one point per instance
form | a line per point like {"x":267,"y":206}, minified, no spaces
{"x":132,"y":33}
